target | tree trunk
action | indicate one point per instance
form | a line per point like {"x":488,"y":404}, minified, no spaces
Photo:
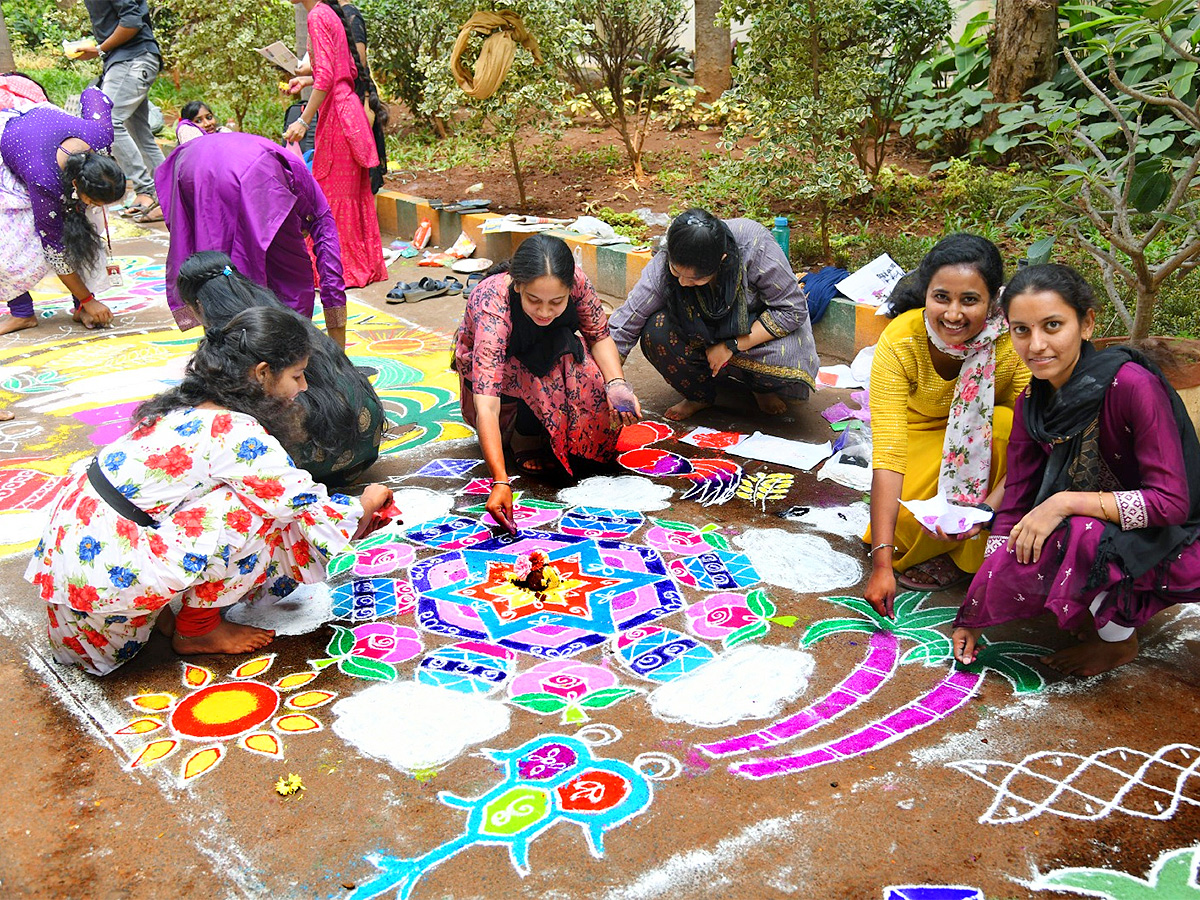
{"x":1024,"y":49}
{"x":517,"y":174}
{"x":7,"y":64}
{"x":1143,"y":314}
{"x":713,"y":51}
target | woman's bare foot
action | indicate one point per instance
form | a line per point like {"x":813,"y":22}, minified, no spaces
{"x":9,"y":324}
{"x":165,"y":621}
{"x":227,"y":637}
{"x":1093,"y":657}
{"x":770,"y":403}
{"x":685,"y":409}
{"x":93,"y":314}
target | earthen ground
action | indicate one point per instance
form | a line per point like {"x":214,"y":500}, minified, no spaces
{"x":75,"y":824}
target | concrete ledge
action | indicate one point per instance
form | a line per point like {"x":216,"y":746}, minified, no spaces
{"x":844,"y":330}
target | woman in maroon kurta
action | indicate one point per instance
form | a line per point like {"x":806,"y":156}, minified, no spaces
{"x":523,"y":368}
{"x":345,"y":146}
{"x":1102,"y":507}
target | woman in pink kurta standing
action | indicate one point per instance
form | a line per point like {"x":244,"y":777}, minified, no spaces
{"x":345,"y":148}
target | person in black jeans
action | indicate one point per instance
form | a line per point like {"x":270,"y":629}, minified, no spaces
{"x":132,"y":61}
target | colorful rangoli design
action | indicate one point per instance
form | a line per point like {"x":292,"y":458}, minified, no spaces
{"x":550,"y":779}
{"x":605,"y":588}
{"x":218,"y":712}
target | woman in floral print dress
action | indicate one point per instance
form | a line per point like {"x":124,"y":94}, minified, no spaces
{"x":198,"y":502}
{"x":527,"y":380}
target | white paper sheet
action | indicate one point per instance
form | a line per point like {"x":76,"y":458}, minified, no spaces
{"x":768,"y":448}
{"x":873,"y":283}
{"x":938,"y":512}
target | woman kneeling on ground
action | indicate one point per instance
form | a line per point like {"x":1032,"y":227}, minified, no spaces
{"x":721,"y":303}
{"x":344,"y":421}
{"x":1102,"y":507}
{"x":943,"y":384}
{"x":199,"y":501}
{"x":527,"y":380}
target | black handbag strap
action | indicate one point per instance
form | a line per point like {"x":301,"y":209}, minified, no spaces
{"x":114,"y":498}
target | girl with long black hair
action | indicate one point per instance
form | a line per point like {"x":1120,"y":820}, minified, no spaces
{"x":527,"y":379}
{"x":721,"y":303}
{"x":54,"y":170}
{"x":344,"y":421}
{"x":198,"y":502}
{"x":345,"y":147}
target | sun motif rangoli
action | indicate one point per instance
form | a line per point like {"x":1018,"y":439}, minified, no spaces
{"x":217,"y":712}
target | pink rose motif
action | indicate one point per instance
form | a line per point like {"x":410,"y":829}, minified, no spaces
{"x":685,"y":543}
{"x":969,"y":391}
{"x":383,"y":559}
{"x":719,"y":615}
{"x":386,"y":642}
{"x":569,"y":680}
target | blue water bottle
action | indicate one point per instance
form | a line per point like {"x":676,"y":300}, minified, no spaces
{"x":783,"y":235}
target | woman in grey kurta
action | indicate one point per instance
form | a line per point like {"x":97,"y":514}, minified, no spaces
{"x":720,"y":303}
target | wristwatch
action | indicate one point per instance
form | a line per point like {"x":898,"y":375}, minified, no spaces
{"x":732,"y":345}
{"x":990,"y":522}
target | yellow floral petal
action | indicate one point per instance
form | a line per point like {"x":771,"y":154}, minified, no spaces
{"x":196,"y":676}
{"x":254,"y":667}
{"x":140,"y":726}
{"x":153,"y":702}
{"x":261,"y":742}
{"x":295,"y":680}
{"x":297,"y":722}
{"x":200,"y":762}
{"x":311,"y":699}
{"x":153,"y":752}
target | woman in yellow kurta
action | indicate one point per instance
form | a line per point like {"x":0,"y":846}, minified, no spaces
{"x":943,"y":384}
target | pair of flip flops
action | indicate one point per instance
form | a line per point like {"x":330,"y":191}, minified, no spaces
{"x":461,"y":206}
{"x":409,"y":292}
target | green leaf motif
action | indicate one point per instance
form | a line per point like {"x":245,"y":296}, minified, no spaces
{"x":785,"y":621}
{"x":674,"y":526}
{"x":340,"y":564}
{"x":341,"y":643}
{"x":1172,"y":877}
{"x":760,"y":604}
{"x":370,"y":669}
{"x":747,"y":633}
{"x":716,"y":539}
{"x":539,"y":702}
{"x":604,"y":698}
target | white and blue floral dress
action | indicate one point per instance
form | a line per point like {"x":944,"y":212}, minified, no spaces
{"x":234,"y":516}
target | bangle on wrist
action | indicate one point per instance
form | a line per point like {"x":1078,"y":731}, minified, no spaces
{"x":614,"y":380}
{"x":79,"y":301}
{"x":880,"y":547}
{"x":505,"y":483}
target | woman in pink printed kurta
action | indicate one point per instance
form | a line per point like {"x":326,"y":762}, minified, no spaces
{"x":226,"y":514}
{"x":345,"y":146}
{"x":522,"y":366}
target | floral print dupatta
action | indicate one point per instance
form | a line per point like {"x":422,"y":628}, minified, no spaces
{"x":967,"y":452}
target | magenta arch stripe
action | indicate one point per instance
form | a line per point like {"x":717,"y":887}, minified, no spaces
{"x":883,"y":652}
{"x":951,"y":693}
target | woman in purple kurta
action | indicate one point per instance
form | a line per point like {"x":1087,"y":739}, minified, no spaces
{"x":53,"y":175}
{"x":248,"y":197}
{"x":1101,"y":511}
